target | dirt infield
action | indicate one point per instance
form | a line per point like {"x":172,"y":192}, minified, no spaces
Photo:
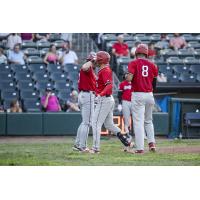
{"x":173,"y":148}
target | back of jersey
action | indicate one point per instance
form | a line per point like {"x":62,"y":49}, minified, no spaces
{"x":144,"y":71}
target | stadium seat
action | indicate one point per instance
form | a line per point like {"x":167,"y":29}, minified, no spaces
{"x":58,"y":76}
{"x":180,"y":69}
{"x":73,"y":76}
{"x":25,"y":85}
{"x":139,"y":37}
{"x":9,"y":95}
{"x":19,"y":68}
{"x":197,"y":53}
{"x":37,"y":68}
{"x":189,"y":78}
{"x":191,"y":60}
{"x":188,"y":37}
{"x":174,"y":60}
{"x":155,"y":38}
{"x":71,"y":67}
{"x":194,"y":44}
{"x":182,"y":53}
{"x":167,"y":53}
{"x":28,"y":44}
{"x":198,"y":77}
{"x":63,"y":86}
{"x":7,"y":85}
{"x":63,"y":95}
{"x":32,"y":52}
{"x":32,"y":105}
{"x":54,"y":68}
{"x":40,"y":76}
{"x":42,"y":45}
{"x":34,"y":95}
{"x":165,"y":69}
{"x":54,"y":36}
{"x":5,"y":68}
{"x":43,"y":52}
{"x":173,"y":78}
{"x":5,"y":76}
{"x":35,"y":59}
{"x":41,"y":86}
{"x":23,"y":76}
{"x":59,"y":43}
{"x":195,"y":69}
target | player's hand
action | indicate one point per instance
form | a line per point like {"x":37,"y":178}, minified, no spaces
{"x":119,"y":107}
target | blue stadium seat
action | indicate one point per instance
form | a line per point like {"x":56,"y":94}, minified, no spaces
{"x":189,"y":78}
{"x":32,"y":52}
{"x":19,"y":68}
{"x":54,"y":68}
{"x":194,"y":44}
{"x":35,"y":59}
{"x":180,"y":69}
{"x":195,"y":69}
{"x":28,"y":44}
{"x":197,"y":53}
{"x":182,"y":53}
{"x":54,"y":36}
{"x":43,"y":51}
{"x":165,"y":69}
{"x":7,"y":85}
{"x":71,"y":68}
{"x":26,"y":95}
{"x":32,"y":105}
{"x":59,"y":43}
{"x":64,"y":95}
{"x":5,"y":68}
{"x":173,"y":78}
{"x":73,"y":76}
{"x":9,"y":95}
{"x":191,"y":60}
{"x":23,"y":76}
{"x":37,"y":68}
{"x":41,"y":86}
{"x":198,"y":77}
{"x":58,"y":76}
{"x":63,"y":86}
{"x":40,"y":76}
{"x":41,"y":45}
{"x":174,"y":60}
{"x":6,"y":76}
{"x":25,"y":85}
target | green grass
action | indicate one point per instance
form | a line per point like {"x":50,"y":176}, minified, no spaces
{"x":38,"y":152}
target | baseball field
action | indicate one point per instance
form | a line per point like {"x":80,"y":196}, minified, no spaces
{"x":57,"y":151}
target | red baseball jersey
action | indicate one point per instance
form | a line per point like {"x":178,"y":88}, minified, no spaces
{"x":126,"y":88}
{"x":143,"y":72}
{"x":87,"y":80}
{"x":104,"y":78}
{"x":121,"y":48}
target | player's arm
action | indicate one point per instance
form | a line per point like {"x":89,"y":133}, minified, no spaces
{"x":120,"y":92}
{"x":87,"y":66}
{"x":107,"y":88}
{"x":155,"y":78}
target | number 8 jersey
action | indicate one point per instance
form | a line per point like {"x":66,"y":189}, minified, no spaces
{"x":144,"y":71}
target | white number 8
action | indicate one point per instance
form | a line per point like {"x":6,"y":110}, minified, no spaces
{"x":145,"y":71}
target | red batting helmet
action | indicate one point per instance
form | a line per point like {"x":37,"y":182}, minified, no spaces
{"x":91,"y":56}
{"x":142,"y":49}
{"x":102,"y":57}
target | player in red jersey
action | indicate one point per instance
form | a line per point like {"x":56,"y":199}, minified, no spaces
{"x":124,"y":95}
{"x":144,"y":74}
{"x":86,"y":86}
{"x":103,"y":113}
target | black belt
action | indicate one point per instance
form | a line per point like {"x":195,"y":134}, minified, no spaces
{"x":108,"y":96}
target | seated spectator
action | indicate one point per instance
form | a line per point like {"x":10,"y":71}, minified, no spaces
{"x":134,"y":48}
{"x":16,"y":56}
{"x":72,"y":103}
{"x":120,"y":48}
{"x":161,"y":78}
{"x":163,"y":44}
{"x":3,"y":59}
{"x":41,"y":37}
{"x":51,"y":56}
{"x":13,"y":39}
{"x":68,"y":56}
{"x":27,"y":36}
{"x":151,"y":51}
{"x":14,"y":107}
{"x":50,"y":102}
{"x":177,"y":42}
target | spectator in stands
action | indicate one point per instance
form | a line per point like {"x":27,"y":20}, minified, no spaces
{"x":177,"y":42}
{"x":50,"y":102}
{"x":72,"y":103}
{"x":14,"y":107}
{"x":16,"y":56}
{"x":3,"y":59}
{"x":151,"y":50}
{"x":27,"y":36}
{"x":68,"y":56}
{"x":134,"y":48}
{"x":13,"y":39}
{"x":51,"y":56}
{"x":44,"y":37}
{"x":120,"y":48}
{"x":163,"y":43}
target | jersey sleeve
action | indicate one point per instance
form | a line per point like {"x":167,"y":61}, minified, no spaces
{"x":131,"y":68}
{"x":107,"y":77}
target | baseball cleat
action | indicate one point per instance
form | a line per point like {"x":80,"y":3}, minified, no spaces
{"x":93,"y":151}
{"x":132,"y":145}
{"x":75,"y":148}
{"x":139,"y":151}
{"x":128,"y":150}
{"x":152,"y":147}
{"x":84,"y":150}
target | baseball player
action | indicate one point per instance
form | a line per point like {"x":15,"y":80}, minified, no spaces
{"x":144,"y":74}
{"x":103,"y":113}
{"x":86,"y":86}
{"x":124,"y":95}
